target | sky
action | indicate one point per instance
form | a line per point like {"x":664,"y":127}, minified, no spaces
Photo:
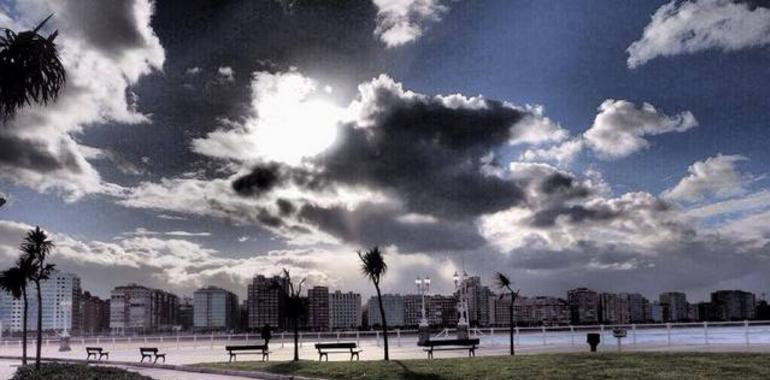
{"x":615,"y":145}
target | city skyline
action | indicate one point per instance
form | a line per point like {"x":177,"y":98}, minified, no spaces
{"x":578,"y":148}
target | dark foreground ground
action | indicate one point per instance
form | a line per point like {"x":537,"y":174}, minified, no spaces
{"x":545,"y":366}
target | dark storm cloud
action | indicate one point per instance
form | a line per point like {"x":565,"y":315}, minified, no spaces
{"x":332,"y":40}
{"x":429,"y":154}
{"x":261,"y":179}
{"x":34,"y":155}
{"x":108,"y":25}
{"x":285,"y":207}
{"x":372,"y":224}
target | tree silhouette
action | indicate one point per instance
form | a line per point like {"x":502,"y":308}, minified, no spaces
{"x":36,"y":248}
{"x":14,"y":281}
{"x":295,"y":308}
{"x":373,"y":266}
{"x":30,"y":69}
{"x":505,"y":284}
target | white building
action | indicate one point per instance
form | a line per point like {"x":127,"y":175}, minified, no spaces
{"x":61,"y":305}
{"x":344,"y":310}
{"x":215,"y":309}
{"x":394,"y":310}
{"x":135,"y":308}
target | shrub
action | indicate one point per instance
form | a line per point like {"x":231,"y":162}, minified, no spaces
{"x":58,"y":371}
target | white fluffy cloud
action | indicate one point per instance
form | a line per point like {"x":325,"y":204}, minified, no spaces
{"x":717,"y":177}
{"x":402,"y":21}
{"x":106,"y":47}
{"x":563,"y":154}
{"x":684,"y":27}
{"x":620,"y":127}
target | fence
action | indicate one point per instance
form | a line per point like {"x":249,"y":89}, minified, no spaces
{"x":746,"y":333}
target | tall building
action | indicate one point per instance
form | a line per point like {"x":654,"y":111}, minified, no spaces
{"x":215,"y":309}
{"x":165,"y":310}
{"x":139,"y":309}
{"x":638,"y":308}
{"x":613,"y":308}
{"x":548,"y":311}
{"x":478,"y":302}
{"x":584,"y":306}
{"x":318,"y":308}
{"x":674,"y":306}
{"x":393,"y":304}
{"x":413,"y":309}
{"x":266,"y":300}
{"x":656,"y":312}
{"x":733,"y":305}
{"x":94,"y":313}
{"x":442,"y":310}
{"x":60,"y":295}
{"x":344,"y":310}
{"x":185,"y":313}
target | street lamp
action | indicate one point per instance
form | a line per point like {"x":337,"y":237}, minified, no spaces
{"x":423,"y":331}
{"x":64,"y":342}
{"x":423,"y":286}
{"x":461,"y":286}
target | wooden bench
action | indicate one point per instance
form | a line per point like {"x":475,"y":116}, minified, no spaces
{"x":252,"y":349}
{"x":451,"y":344}
{"x":324,"y":349}
{"x":149,"y":352}
{"x":97,"y":353}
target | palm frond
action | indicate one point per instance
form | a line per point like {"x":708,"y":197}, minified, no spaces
{"x":30,"y":70}
{"x":502,"y":281}
{"x":373,"y":264}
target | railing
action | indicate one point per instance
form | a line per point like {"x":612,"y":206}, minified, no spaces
{"x":746,"y":333}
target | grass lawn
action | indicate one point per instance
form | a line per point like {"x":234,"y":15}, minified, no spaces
{"x":732,"y":366}
{"x":58,"y":371}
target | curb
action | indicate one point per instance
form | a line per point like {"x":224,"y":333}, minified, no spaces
{"x":174,"y":367}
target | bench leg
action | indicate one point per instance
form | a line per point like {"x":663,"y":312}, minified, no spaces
{"x":265,"y":357}
{"x":231,"y":358}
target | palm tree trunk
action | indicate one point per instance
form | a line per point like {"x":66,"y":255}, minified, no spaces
{"x":511,"y":323}
{"x":24,"y":327}
{"x":39,"y":324}
{"x":296,"y":340}
{"x":384,"y":322}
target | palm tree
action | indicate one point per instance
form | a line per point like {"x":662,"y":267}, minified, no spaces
{"x":373,"y":266}
{"x":14,"y":280}
{"x":505,"y":284}
{"x":295,"y":307}
{"x":36,"y":248}
{"x":30,"y":69}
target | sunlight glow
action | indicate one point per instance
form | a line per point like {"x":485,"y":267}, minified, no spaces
{"x":294,"y":117}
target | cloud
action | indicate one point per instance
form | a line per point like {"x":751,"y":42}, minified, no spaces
{"x":111,"y":41}
{"x":402,"y":21}
{"x":686,"y":27}
{"x":563,"y":154}
{"x":141,"y":231}
{"x":226,"y":74}
{"x":620,"y":127}
{"x":284,"y":106}
{"x":716,"y":177}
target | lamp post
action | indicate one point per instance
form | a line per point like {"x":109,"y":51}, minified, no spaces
{"x":461,"y":286}
{"x":423,"y":335}
{"x":64,"y":341}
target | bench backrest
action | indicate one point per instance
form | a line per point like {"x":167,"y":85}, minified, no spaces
{"x":244,"y":348}
{"x":453,"y":342}
{"x":341,"y":345}
{"x":97,"y":349}
{"x":148,"y":349}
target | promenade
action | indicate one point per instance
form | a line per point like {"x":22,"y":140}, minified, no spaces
{"x":186,"y":349}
